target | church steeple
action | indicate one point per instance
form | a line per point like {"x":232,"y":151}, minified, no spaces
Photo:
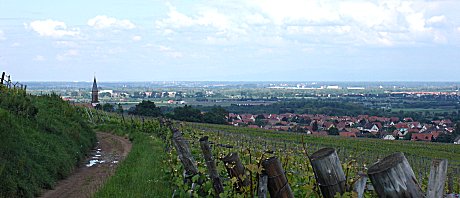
{"x":94,"y":93}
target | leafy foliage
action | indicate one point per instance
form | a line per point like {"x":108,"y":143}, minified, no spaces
{"x":216,"y":115}
{"x":186,"y":113}
{"x":146,"y":108}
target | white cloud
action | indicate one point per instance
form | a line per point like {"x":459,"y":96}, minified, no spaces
{"x":39,"y":58}
{"x":68,"y":54}
{"x":104,"y":22}
{"x":206,"y":18}
{"x":70,"y":44}
{"x":437,"y":19}
{"x":295,"y":11}
{"x":257,"y":19}
{"x":354,"y":22}
{"x":52,"y":28}
{"x":164,"y":48}
{"x":137,"y":38}
{"x":168,"y":51}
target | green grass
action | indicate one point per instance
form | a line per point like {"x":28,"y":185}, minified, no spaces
{"x":142,"y":173}
{"x":42,"y":139}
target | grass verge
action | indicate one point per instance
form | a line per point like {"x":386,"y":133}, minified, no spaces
{"x":142,"y":173}
{"x":42,"y":140}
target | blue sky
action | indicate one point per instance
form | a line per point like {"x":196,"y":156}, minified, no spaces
{"x":230,"y":40}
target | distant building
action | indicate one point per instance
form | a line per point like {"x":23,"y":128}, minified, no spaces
{"x":94,"y":94}
{"x":332,"y":87}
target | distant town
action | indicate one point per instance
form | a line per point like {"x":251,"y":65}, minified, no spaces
{"x":406,"y":110}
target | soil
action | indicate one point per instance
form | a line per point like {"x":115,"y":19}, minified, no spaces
{"x":91,"y":175}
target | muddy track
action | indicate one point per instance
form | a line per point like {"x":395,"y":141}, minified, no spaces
{"x":91,"y":175}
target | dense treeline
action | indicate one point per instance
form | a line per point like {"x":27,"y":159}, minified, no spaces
{"x":339,"y":107}
{"x":215,"y":115}
{"x":42,"y":139}
{"x":307,"y":106}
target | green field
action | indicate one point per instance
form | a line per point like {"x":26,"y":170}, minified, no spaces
{"x":440,"y":110}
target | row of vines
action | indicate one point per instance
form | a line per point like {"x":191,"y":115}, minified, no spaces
{"x":253,"y":149}
{"x":293,"y":156}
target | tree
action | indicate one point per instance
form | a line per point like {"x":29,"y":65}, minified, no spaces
{"x":216,"y":116}
{"x":408,"y":136}
{"x":444,"y":137}
{"x":199,"y":95}
{"x":108,"y":107}
{"x":457,"y":130}
{"x":105,"y":94}
{"x":391,"y":129}
{"x":314,"y":126}
{"x":260,"y":117}
{"x":333,"y":131}
{"x":146,"y":108}
{"x":119,"y":109}
{"x":187,"y":113}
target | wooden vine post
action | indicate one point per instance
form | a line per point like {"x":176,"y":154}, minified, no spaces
{"x":183,"y":150}
{"x":328,"y":172}
{"x":236,"y":169}
{"x":393,"y":177}
{"x":211,"y":165}
{"x":438,"y":174}
{"x":262,"y":191}
{"x":360,"y":185}
{"x":3,"y":78}
{"x":278,"y":185}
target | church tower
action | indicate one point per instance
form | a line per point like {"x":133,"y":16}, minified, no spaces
{"x":94,"y":93}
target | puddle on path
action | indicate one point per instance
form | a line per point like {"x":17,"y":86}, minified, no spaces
{"x":98,"y":156}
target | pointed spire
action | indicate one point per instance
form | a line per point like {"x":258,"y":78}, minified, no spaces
{"x":95,"y":85}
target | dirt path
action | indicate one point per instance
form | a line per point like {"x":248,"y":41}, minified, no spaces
{"x":101,"y":164}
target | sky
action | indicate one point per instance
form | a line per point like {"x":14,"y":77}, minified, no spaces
{"x":230,"y":40}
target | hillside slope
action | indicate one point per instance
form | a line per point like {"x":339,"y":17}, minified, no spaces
{"x":42,"y":139}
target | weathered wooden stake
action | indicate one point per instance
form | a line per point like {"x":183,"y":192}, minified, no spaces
{"x":236,"y":169}
{"x":183,"y":150}
{"x":211,"y":165}
{"x":437,"y":178}
{"x":393,"y":177}
{"x":262,"y":191}
{"x":3,"y":78}
{"x":360,"y":185}
{"x":328,"y":171}
{"x":278,"y":185}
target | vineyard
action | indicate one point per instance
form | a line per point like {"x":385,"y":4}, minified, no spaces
{"x":356,"y":156}
{"x":252,"y":148}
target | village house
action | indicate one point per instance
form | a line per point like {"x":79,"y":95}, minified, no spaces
{"x":422,"y":137}
{"x":360,"y":126}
